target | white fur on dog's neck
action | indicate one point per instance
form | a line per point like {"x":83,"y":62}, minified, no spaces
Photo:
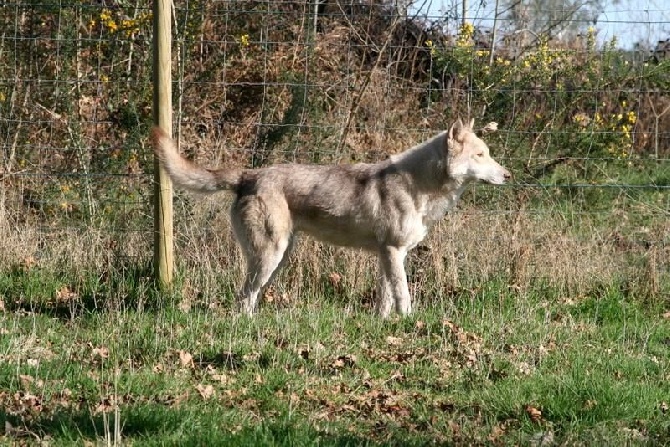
{"x":428,"y":164}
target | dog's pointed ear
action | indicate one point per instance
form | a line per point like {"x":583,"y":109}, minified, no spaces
{"x":456,"y":130}
{"x":452,"y":144}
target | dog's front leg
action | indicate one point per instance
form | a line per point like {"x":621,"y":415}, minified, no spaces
{"x":384,"y":294}
{"x":247,"y":297}
{"x":392,"y":263}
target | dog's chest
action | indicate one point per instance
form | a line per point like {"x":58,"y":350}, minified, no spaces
{"x":437,"y":206}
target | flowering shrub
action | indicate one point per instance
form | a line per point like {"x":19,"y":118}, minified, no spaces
{"x":579,"y":93}
{"x":115,"y":22}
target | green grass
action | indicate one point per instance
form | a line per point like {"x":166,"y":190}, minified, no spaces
{"x":489,"y":366}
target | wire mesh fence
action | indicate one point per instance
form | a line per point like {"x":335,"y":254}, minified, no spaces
{"x":584,"y":122}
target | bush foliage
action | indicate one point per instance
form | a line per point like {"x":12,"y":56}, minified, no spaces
{"x":258,"y":83}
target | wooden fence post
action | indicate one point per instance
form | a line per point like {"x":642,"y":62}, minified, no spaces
{"x":162,"y":115}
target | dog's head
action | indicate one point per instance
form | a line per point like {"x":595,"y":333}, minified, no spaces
{"x":468,"y":157}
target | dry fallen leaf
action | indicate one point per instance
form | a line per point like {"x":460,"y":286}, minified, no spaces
{"x":28,"y":262}
{"x":185,"y":305}
{"x":452,"y":327}
{"x":185,"y":359}
{"x":496,"y":432}
{"x":224,"y":379}
{"x":397,"y":376}
{"x":64,"y":294}
{"x":206,"y":391}
{"x":101,"y":352}
{"x":590,"y":404}
{"x":394,"y":341}
{"x":26,"y":380}
{"x":344,"y":360}
{"x":270,"y":294}
{"x":105,"y":405}
{"x":525,"y":369}
{"x":490,"y":127}
{"x":335,"y":279}
{"x":534,"y":414}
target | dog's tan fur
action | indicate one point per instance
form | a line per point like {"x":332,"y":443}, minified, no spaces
{"x":386,"y":207}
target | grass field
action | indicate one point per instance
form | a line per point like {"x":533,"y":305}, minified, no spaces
{"x":542,"y":307}
{"x":559,"y":340}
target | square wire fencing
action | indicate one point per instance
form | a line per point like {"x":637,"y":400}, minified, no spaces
{"x":584,"y":126}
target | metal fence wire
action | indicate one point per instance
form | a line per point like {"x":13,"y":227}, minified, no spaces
{"x":582,"y":98}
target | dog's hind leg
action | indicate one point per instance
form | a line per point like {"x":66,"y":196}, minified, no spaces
{"x":259,"y":272}
{"x":265,"y":237}
{"x":284,"y":259}
{"x":393,"y":282}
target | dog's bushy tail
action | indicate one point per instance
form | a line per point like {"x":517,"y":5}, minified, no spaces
{"x":186,"y":174}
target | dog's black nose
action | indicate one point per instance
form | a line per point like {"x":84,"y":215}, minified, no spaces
{"x":507,"y":175}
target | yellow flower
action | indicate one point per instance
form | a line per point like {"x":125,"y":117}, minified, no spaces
{"x":465,"y":33}
{"x":129,"y":24}
{"x":631,"y":117}
{"x":467,"y":30}
{"x":244,"y":40}
{"x":481,"y":53}
{"x":433,"y":50}
{"x":581,"y":118}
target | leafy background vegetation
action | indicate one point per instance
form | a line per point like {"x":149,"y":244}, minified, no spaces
{"x":542,"y":307}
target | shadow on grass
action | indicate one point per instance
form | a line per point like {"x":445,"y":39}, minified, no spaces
{"x":68,"y":295}
{"x":156,"y":425}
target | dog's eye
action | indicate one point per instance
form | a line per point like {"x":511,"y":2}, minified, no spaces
{"x":480,"y":154}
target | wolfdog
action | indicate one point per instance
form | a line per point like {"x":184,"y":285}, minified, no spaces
{"x":386,"y":207}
